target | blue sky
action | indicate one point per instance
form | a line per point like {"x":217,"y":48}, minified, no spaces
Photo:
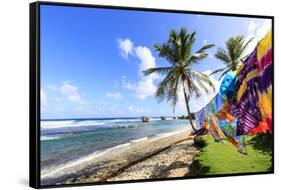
{"x":91,"y":59}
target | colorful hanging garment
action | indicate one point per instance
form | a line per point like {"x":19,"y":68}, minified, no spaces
{"x":223,"y":114}
{"x":201,"y":122}
{"x":229,"y":131}
{"x":200,"y":118}
{"x":215,"y":119}
{"x":264,"y":51}
{"x":245,"y":107}
{"x":227,"y":88}
{"x":222,"y":125}
{"x":265,"y":67}
{"x":244,"y":103}
{"x":253,"y":105}
{"x":227,"y":122}
{"x":212,"y":120}
{"x":218,"y":102}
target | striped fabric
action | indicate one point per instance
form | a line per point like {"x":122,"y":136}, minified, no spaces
{"x":245,"y":108}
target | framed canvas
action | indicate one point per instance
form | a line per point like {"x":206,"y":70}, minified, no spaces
{"x":123,"y":94}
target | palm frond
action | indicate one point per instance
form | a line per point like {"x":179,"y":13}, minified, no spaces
{"x":160,"y":92}
{"x":197,"y":57}
{"x":160,"y":70}
{"x":163,"y":86}
{"x":217,"y":71}
{"x":198,"y":76}
{"x":166,"y":52}
{"x":202,"y":85}
{"x":222,"y":55}
{"x":195,"y":89}
{"x":188,"y":47}
{"x":173,"y":36}
{"x":205,"y":47}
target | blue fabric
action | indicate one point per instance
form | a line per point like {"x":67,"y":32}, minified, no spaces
{"x":218,"y":102}
{"x":227,"y":87}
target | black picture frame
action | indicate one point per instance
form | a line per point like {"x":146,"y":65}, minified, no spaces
{"x":34,"y":90}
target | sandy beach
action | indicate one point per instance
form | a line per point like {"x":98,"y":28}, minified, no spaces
{"x":162,"y":156}
{"x":172,"y":162}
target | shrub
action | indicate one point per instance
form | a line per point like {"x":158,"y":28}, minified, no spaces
{"x":199,"y":141}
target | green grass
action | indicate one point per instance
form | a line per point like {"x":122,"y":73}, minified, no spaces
{"x":215,"y":158}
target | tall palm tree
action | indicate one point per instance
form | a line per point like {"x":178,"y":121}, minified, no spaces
{"x":232,"y":55}
{"x":180,"y":74}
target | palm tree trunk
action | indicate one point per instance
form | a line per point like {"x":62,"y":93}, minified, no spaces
{"x":186,"y":97}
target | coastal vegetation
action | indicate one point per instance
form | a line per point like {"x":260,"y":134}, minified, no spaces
{"x":215,"y":158}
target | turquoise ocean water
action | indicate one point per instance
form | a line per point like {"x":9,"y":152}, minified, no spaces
{"x":64,"y":140}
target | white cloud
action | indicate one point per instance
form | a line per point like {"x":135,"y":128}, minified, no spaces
{"x":257,"y":29}
{"x":252,"y":25}
{"x":71,"y":92}
{"x":145,"y":86}
{"x":146,"y":59}
{"x":126,"y":84}
{"x":142,"y":89}
{"x":115,"y":96}
{"x":47,"y":107}
{"x":125,"y":47}
{"x":205,"y":41}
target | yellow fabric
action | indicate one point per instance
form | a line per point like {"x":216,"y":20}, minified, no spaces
{"x":243,"y":86}
{"x":206,"y":125}
{"x":265,"y":102}
{"x":265,"y":99}
{"x":264,"y":45}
